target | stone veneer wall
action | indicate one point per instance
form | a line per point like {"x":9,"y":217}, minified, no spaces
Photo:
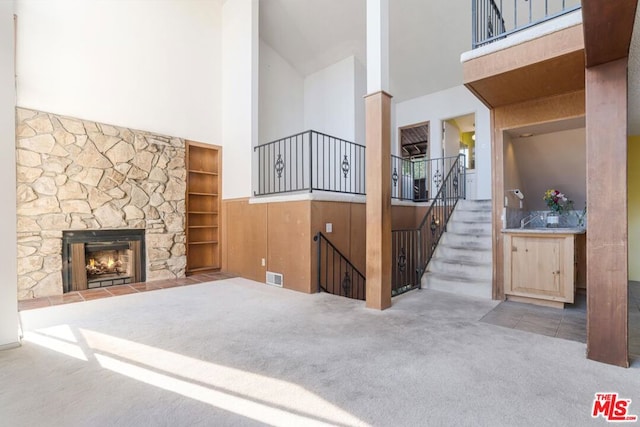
{"x":75,"y":174}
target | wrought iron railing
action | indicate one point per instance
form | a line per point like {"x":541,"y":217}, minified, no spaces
{"x":418,"y":180}
{"x":496,"y":19}
{"x":336,"y":274}
{"x":412,"y":249}
{"x":310,"y":161}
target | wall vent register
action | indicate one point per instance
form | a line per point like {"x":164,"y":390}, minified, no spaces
{"x":274,"y":279}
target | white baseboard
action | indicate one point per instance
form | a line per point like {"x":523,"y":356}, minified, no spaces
{"x":10,"y":345}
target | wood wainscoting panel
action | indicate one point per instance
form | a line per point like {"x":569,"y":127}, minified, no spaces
{"x":358,"y":254}
{"x":403,"y":217}
{"x":339,"y":215}
{"x":289,"y":243}
{"x":282,"y":233}
{"x":244,"y":238}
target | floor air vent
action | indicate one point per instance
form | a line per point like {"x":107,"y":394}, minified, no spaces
{"x":274,"y":279}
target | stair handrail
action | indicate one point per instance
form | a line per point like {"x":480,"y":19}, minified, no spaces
{"x":350,"y":286}
{"x":441,"y":190}
{"x":427,"y":237}
{"x":447,"y":212}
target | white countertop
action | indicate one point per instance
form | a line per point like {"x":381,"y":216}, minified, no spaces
{"x":559,"y":230}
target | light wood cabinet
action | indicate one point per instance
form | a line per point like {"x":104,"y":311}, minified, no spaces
{"x":541,"y":267}
{"x":203,"y":164}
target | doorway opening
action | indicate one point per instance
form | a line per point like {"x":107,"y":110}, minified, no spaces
{"x":414,"y":149}
{"x":459,"y":137}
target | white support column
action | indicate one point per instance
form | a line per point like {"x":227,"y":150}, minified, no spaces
{"x":240,"y":75}
{"x":377,"y":46}
{"x":8,"y":252}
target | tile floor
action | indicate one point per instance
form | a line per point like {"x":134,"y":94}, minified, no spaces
{"x":570,"y":323}
{"x":111,"y":291}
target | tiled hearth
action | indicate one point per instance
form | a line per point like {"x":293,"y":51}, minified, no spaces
{"x":91,"y":294}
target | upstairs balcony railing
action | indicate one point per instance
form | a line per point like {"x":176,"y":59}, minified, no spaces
{"x":418,"y":180}
{"x":310,"y":161}
{"x":496,"y":19}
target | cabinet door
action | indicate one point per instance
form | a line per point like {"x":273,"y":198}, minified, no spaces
{"x":539,"y":268}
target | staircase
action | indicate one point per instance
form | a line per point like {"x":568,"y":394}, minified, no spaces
{"x":462,"y":262}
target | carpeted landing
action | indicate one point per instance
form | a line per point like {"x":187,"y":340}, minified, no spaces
{"x":239,"y":353}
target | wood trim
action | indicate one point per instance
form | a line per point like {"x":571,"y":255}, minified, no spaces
{"x":542,"y":49}
{"x":539,"y":111}
{"x":581,"y":262}
{"x":546,"y":66}
{"x":202,"y":145}
{"x":608,"y":27}
{"x":78,"y":267}
{"x":546,"y":78}
{"x":378,"y":209}
{"x":607,"y":237}
{"x":135,"y":261}
{"x":203,"y":207}
{"x":497,"y":180}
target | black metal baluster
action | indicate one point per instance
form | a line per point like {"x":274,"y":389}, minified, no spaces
{"x":271,"y":162}
{"x":317,"y":159}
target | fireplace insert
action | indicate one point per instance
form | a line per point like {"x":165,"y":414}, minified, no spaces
{"x":99,"y":258}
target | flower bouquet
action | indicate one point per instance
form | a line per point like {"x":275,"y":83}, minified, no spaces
{"x":557,"y":201}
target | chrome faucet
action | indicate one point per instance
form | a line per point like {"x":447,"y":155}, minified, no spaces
{"x":529,"y":219}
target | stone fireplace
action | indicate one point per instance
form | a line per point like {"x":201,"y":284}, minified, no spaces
{"x":75,"y":175}
{"x":100,"y":258}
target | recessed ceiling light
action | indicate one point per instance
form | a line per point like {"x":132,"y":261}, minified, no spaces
{"x":525,"y":135}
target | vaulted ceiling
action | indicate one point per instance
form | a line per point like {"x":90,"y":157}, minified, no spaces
{"x":312,"y":34}
{"x":426,"y":40}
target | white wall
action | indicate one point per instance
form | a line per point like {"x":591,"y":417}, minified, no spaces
{"x":361,"y":91}
{"x":329,"y":105}
{"x":565,"y":170}
{"x":149,"y":65}
{"x":330,"y":100}
{"x":447,"y":104}
{"x":8,"y":251}
{"x":281,"y":97}
{"x":240,"y":44}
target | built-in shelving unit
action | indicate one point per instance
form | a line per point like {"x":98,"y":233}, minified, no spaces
{"x":203,"y":163}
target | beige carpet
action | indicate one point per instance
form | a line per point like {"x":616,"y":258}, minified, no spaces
{"x":235,"y":352}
